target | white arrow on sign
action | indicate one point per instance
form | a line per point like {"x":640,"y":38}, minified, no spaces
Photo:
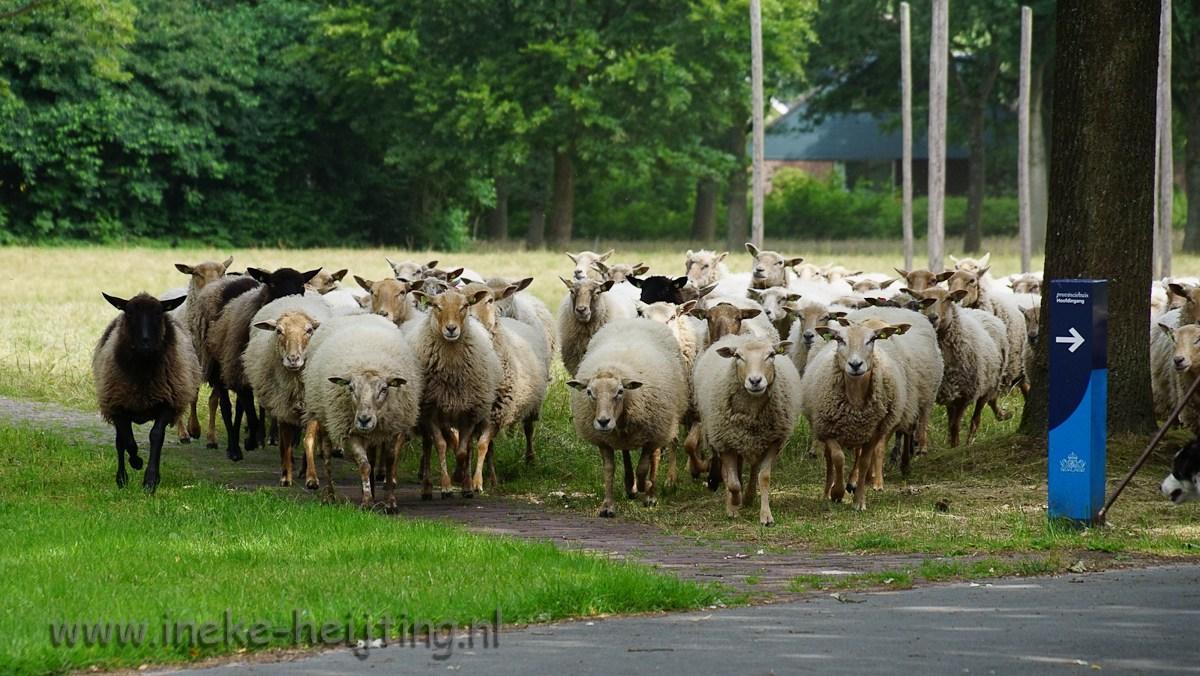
{"x":1075,"y":340}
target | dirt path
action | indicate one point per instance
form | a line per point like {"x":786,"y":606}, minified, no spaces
{"x":740,"y":565}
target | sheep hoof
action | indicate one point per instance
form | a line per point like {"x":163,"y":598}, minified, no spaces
{"x":850,"y":488}
{"x":426,"y":497}
{"x":650,"y":502}
{"x":631,"y":495}
{"x":234,"y":454}
{"x":122,"y":478}
{"x":769,"y":523}
{"x":185,"y":440}
{"x":285,"y":481}
{"x":328,"y":497}
{"x":312,"y":484}
{"x":836,"y":498}
{"x":607,"y":512}
{"x":860,"y":507}
{"x":468,"y":494}
{"x":212,"y":444}
{"x":1004,"y":415}
{"x":338,"y":453}
{"x":150,"y":483}
{"x":135,"y":461}
{"x":446,"y":494}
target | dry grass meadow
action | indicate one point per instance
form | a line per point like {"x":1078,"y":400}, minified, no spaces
{"x":984,"y":498}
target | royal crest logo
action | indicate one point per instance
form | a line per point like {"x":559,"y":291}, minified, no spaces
{"x":1072,"y":463}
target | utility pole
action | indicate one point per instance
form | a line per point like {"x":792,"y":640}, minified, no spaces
{"x":939,"y":55}
{"x":1023,"y":200}
{"x":756,"y":104}
{"x":906,"y":125}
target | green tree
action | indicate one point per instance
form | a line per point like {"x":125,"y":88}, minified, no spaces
{"x":1185,"y":88}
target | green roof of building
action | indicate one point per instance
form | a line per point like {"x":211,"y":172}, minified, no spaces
{"x":842,"y":137}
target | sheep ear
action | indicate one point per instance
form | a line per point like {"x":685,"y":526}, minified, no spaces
{"x":577,"y":385}
{"x":574,"y":257}
{"x":454,"y":274}
{"x":268,"y":325}
{"x":902,"y":273}
{"x":431,"y":264}
{"x":524,"y":283}
{"x":888,"y":282}
{"x":607,"y":254}
{"x":226,"y":263}
{"x":338,"y":381}
{"x":688,"y":255}
{"x":118,"y":303}
{"x":316,"y":324}
{"x":837,"y":315}
{"x":705,"y":290}
{"x":679,"y":282}
{"x":1166,"y":329}
{"x":364,"y":283}
{"x":1177,"y":289}
{"x":631,"y":384}
{"x":364,"y":302}
{"x":633,"y":279}
{"x":721,"y":256}
{"x":753,"y":250}
{"x":954,"y":260}
{"x":873,"y":302}
{"x":639,"y":269}
{"x":983,"y":271}
{"x":751,"y":313}
{"x":926,"y":302}
{"x":902,"y":329}
{"x":508,"y":291}
{"x":856,"y":272}
{"x":259,"y":275}
{"x":727,"y":352}
{"x":396,"y":381}
{"x":565,"y":282}
{"x":310,"y":274}
{"x":958,"y":295}
{"x":755,"y":294}
{"x":686,"y":308}
{"x":392,"y":264}
{"x":699,"y":313}
{"x":824,"y":332}
{"x":792,"y":297}
{"x":783,"y":346}
{"x":171,"y":304}
{"x":420,"y":296}
{"x":337,"y":276}
{"x":793,"y":262}
{"x":601,"y":267}
{"x":184,"y":268}
{"x":943,"y":276}
{"x":605,"y":286}
{"x":984,"y":260}
{"x":478,"y":296}
{"x":911,"y":292}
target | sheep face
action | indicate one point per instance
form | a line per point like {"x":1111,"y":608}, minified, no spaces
{"x":755,"y":363}
{"x":1032,"y":316}
{"x":919,"y":280}
{"x":865,"y":285}
{"x":774,"y":301}
{"x":389,"y":297}
{"x":1180,"y":485}
{"x":205,"y":273}
{"x":811,"y":317}
{"x":969,"y":282}
{"x":836,"y":273}
{"x":619,"y":272}
{"x":284,"y":281}
{"x":409,"y":270}
{"x":978,"y":266}
{"x":770,"y":267}
{"x":584,"y":263}
{"x":585,"y":296}
{"x":701,"y":267}
{"x":145,"y":321}
{"x":325,"y":282}
{"x":807,"y":271}
{"x":292,"y":330}
{"x":487,"y":311}
{"x":856,"y":343}
{"x":607,"y":392}
{"x":725,"y":320}
{"x":660,"y":288}
{"x":666,"y":313}
{"x":1187,"y":346}
{"x":1184,"y":297}
{"x":1027,"y":284}
{"x":938,"y":305}
{"x":449,"y":311}
{"x":368,"y":391}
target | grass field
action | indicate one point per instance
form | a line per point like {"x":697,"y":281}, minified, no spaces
{"x":79,"y":550}
{"x":991,"y":494}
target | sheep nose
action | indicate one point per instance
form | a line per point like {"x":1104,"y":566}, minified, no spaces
{"x":364,"y":421}
{"x":855,"y":364}
{"x":1179,"y":362}
{"x":603,"y":422}
{"x":581,"y":309}
{"x":755,"y":381}
{"x":809,"y":337}
{"x":1176,"y":493}
{"x":451,"y":331}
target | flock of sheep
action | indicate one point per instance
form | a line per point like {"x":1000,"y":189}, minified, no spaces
{"x":724,"y":362}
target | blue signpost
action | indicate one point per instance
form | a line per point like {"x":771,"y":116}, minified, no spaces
{"x":1078,"y":398}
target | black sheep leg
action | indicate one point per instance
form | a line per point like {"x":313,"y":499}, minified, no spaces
{"x":157,"y":434}
{"x":233,"y":449}
{"x":253,"y":428}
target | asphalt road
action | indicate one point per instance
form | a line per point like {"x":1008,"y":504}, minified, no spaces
{"x":1140,"y":621}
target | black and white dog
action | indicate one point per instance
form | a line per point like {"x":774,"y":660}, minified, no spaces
{"x":1183,"y":483}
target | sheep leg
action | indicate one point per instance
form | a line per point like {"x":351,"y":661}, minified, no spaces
{"x":214,"y":399}
{"x":358,"y":453}
{"x":733,"y":483}
{"x":253,"y":439}
{"x":328,"y":495}
{"x":1001,"y":413}
{"x":310,"y":466}
{"x":835,"y":466}
{"x":481,"y":455}
{"x":439,"y":440}
{"x":193,"y":419}
{"x":393,"y":460}
{"x":922,"y":440}
{"x":528,"y":424}
{"x":423,"y":471}
{"x":714,"y":471}
{"x":877,"y":463}
{"x":954,"y":414}
{"x":491,"y":462}
{"x":182,"y":429}
{"x":691,"y":446}
{"x":462,"y":462}
{"x":380,"y":465}
{"x":124,"y":443}
{"x":906,"y":454}
{"x":608,"y":509}
{"x":976,"y":418}
{"x":647,"y":471}
{"x":864,"y":458}
{"x":233,"y":450}
{"x":273,"y":434}
{"x":630,"y":483}
{"x":158,"y":434}
{"x":765,"y":518}
{"x":287,"y":440}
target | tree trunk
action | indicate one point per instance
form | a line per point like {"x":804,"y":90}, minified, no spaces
{"x":497,"y":218}
{"x":1038,"y":159}
{"x":1102,"y":190}
{"x":535,"y":235}
{"x":736,"y":223}
{"x":704,"y":218}
{"x":976,"y":183}
{"x":1191,"y":172}
{"x":562,"y":209}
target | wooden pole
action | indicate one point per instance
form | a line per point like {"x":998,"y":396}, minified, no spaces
{"x":906,"y":124}
{"x":1165,"y":166}
{"x":939,"y":55}
{"x":1023,"y":198}
{"x":756,"y":104}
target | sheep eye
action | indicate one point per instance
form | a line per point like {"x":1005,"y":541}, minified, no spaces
{"x":309,"y":331}
{"x":705,"y":267}
{"x":589,"y":394}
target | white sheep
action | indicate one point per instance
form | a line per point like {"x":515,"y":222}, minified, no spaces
{"x":362,"y":387}
{"x":748,"y":401}
{"x":630,"y":392}
{"x":526,"y":308}
{"x":726,"y":316}
{"x":274,"y":360}
{"x":583,"y":312}
{"x":691,"y":334}
{"x":619,"y":272}
{"x":774,"y":304}
{"x":462,"y":374}
{"x":809,"y":316}
{"x":771,"y":268}
{"x":585,"y":264}
{"x":705,"y":267}
{"x":984,"y":295}
{"x":199,"y":276}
